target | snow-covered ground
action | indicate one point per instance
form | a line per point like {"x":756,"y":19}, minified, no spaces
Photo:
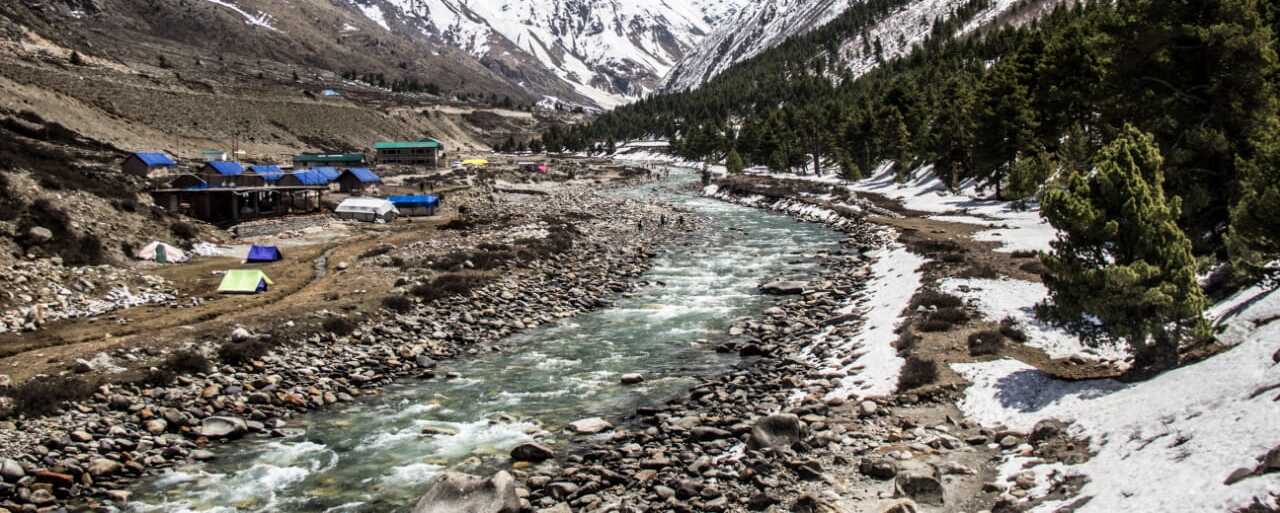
{"x":999,"y":299}
{"x":895,"y":277}
{"x":1168,"y":444}
{"x":261,"y":19}
{"x":1015,"y":230}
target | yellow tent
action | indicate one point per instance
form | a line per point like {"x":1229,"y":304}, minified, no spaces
{"x":475,"y":162}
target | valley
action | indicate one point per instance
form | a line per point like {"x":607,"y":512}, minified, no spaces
{"x":593,"y":256}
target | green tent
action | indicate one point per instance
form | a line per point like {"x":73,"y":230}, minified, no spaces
{"x":244,"y":281}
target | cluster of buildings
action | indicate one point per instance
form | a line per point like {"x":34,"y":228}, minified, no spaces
{"x":224,"y":191}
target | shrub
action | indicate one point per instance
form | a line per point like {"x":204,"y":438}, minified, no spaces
{"x":187,"y":362}
{"x":125,"y":205}
{"x":1034,"y":267}
{"x":240,"y":353}
{"x":935,"y":325}
{"x":1009,"y":328}
{"x":985,"y":343}
{"x":377,"y":251}
{"x":86,"y":249}
{"x":906,"y":339}
{"x":935,"y":299}
{"x":400,"y":304}
{"x":1024,"y":254}
{"x":458,"y":224}
{"x":917,"y":372}
{"x":448,"y":285}
{"x":184,"y":230}
{"x":340,"y":326}
{"x":953,"y":315}
{"x":44,"y":396}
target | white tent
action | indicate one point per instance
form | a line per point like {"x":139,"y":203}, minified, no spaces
{"x":161,"y":252}
{"x":367,"y":209}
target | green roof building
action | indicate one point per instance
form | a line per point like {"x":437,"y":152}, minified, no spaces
{"x":310,"y":160}
{"x":422,"y":152}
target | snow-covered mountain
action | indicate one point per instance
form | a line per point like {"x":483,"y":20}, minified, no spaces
{"x":757,"y":27}
{"x":608,"y":51}
{"x":766,"y":24}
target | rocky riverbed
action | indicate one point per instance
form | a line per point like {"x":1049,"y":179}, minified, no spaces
{"x":594,"y":248}
{"x":771,"y":435}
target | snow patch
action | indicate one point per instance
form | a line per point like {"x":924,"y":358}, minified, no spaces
{"x":1167,"y":444}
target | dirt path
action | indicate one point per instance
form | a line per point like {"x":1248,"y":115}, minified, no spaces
{"x":302,"y":288}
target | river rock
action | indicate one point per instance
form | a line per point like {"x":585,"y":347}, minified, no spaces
{"x":11,"y":470}
{"x":39,"y":235}
{"x":920,"y":482}
{"x":103,"y":467}
{"x":455,"y":492}
{"x":532,"y":452}
{"x":776,"y":432}
{"x":632,"y":379}
{"x":878,"y":468}
{"x":590,"y":426}
{"x":240,"y":335}
{"x":783,"y":288}
{"x":223,"y":427}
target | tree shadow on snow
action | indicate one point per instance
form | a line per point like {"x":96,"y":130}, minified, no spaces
{"x":1031,"y":390}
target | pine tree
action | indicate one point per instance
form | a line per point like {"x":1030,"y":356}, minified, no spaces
{"x":1027,"y":175}
{"x":1121,"y":267}
{"x":1253,"y":242}
{"x":734,"y":162}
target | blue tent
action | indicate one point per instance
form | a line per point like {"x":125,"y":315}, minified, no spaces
{"x":264,"y":254}
{"x":428,"y":201}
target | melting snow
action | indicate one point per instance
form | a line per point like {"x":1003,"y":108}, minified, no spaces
{"x":261,"y":19}
{"x":1167,"y":444}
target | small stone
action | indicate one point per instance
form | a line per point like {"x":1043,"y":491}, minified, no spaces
{"x":590,"y":426}
{"x":632,"y":379}
{"x":867,"y":408}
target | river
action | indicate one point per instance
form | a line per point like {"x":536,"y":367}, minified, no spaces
{"x":373,"y":455}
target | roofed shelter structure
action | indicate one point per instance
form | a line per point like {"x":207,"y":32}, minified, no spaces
{"x":368,"y":210}
{"x":149,"y":164}
{"x":357,"y":180}
{"x":422,"y":152}
{"x":419,"y":205}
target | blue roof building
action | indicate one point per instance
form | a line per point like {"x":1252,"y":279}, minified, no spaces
{"x":357,"y":179}
{"x":149,"y":163}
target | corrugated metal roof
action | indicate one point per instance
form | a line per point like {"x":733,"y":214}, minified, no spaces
{"x":268,"y":172}
{"x":226,"y":167}
{"x":364,"y":175}
{"x":408,"y":145}
{"x":155,"y":158}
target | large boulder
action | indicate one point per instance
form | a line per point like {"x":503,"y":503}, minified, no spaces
{"x":455,"y":492}
{"x":920,"y":482}
{"x":223,"y":427}
{"x":776,"y":432}
{"x":783,"y":288}
{"x":532,"y":452}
